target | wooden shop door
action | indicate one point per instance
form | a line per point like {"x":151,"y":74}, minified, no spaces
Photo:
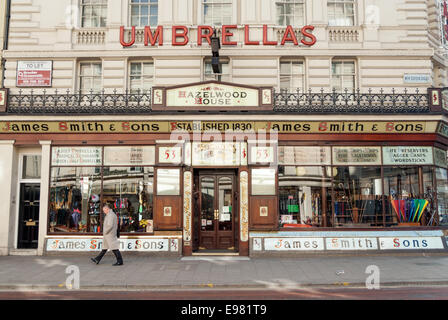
{"x":216,"y":211}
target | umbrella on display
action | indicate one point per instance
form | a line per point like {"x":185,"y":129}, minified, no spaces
{"x":424,"y":204}
{"x":395,"y":206}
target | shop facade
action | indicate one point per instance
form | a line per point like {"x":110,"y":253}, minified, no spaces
{"x":325,"y":130}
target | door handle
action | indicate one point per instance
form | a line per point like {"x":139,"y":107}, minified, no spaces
{"x":216,"y":214}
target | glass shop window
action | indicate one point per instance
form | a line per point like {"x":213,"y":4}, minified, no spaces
{"x":129,"y":191}
{"x":168,"y":182}
{"x":301,"y":199}
{"x":263,"y":182}
{"x":357,"y":196}
{"x":442,"y":198}
{"x":31,"y":167}
{"x":75,"y":199}
{"x":404,"y":204}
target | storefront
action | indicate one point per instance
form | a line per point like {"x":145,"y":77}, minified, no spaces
{"x":190,"y":184}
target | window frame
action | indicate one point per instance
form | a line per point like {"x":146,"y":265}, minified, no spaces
{"x":283,"y":3}
{"x":291,"y":75}
{"x":345,"y":3}
{"x":129,"y":75}
{"x":201,"y":14}
{"x":213,"y":76}
{"x":139,"y":5}
{"x":355,"y":75}
{"x":83,"y":6}
{"x":80,"y":76}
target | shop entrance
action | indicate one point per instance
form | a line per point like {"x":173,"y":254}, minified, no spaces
{"x":215,"y":210}
{"x":29,"y":216}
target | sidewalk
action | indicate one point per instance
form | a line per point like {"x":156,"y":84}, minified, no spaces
{"x":144,"y":272}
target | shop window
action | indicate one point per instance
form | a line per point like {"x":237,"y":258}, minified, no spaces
{"x":93,"y":13}
{"x":141,"y":76}
{"x":442,"y":197}
{"x":217,"y":12}
{"x":290,"y":12}
{"x":263,"y":182}
{"x":341,"y":13}
{"x":343,"y":76}
{"x":357,"y":196}
{"x":303,"y":195}
{"x":31,"y":167}
{"x":224,"y":67}
{"x":401,"y":187}
{"x":292,"y":75}
{"x":129,"y":191}
{"x":75,"y":199}
{"x":168,"y":182}
{"x":90,"y":77}
{"x":144,"y":13}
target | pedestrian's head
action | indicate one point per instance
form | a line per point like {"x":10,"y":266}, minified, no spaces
{"x":106,"y":208}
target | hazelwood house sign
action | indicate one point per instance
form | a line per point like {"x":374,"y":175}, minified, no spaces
{"x":181,"y":36}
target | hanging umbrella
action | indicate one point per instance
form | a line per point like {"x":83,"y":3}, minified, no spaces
{"x":424,"y":205}
{"x":394,"y":204}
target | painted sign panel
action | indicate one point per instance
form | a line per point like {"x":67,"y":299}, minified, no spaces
{"x":69,"y":156}
{"x":294,"y":244}
{"x":315,"y":127}
{"x":407,"y":155}
{"x":356,"y":155}
{"x":262,"y":155}
{"x":304,"y":155}
{"x":157,"y":244}
{"x":410,"y":243}
{"x":212,"y":95}
{"x":351,"y":243}
{"x":34,"y":73}
{"x":171,"y":155}
{"x":216,"y":154}
{"x":117,"y":156}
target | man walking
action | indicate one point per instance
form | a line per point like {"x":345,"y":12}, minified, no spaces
{"x":110,"y":240}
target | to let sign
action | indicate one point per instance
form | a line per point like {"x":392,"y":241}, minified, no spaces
{"x":34,"y":73}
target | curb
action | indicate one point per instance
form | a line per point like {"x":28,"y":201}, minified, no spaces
{"x":210,"y":286}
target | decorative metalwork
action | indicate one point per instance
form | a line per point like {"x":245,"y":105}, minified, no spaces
{"x":299,"y":102}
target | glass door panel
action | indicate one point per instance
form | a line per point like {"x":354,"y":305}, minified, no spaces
{"x":225,"y":205}
{"x":207,"y":204}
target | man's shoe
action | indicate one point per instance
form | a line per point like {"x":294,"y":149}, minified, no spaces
{"x":117,"y":264}
{"x":94,"y":260}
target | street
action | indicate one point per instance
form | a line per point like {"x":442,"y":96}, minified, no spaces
{"x":392,"y":293}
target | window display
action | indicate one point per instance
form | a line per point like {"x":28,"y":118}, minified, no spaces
{"x":168,"y":182}
{"x":77,"y":193}
{"x":301,"y":195}
{"x":403,"y":201}
{"x":129,"y":191}
{"x":442,"y":198}
{"x":357,"y":196}
{"x":75,"y":199}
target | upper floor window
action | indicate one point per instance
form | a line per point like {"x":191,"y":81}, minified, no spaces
{"x":225,"y":70}
{"x":341,"y":12}
{"x":93,"y":13}
{"x":144,"y":13}
{"x":291,"y":75}
{"x":90,"y":77}
{"x":343,"y":75}
{"x":217,"y":12}
{"x":290,"y":12}
{"x":141,"y":76}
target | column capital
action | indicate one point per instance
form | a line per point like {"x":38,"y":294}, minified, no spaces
{"x":6,"y":142}
{"x":45,"y":142}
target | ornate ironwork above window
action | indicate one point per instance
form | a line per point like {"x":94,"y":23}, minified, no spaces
{"x":284,"y":102}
